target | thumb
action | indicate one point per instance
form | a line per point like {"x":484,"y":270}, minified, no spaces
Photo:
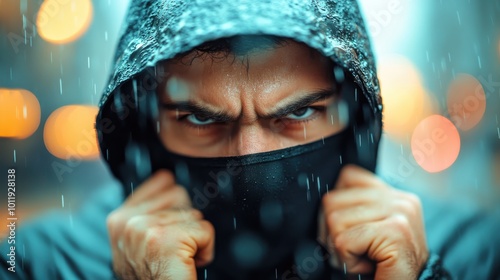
{"x":326,"y":240}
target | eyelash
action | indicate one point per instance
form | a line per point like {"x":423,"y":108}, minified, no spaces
{"x":183,"y":121}
{"x":318,"y":109}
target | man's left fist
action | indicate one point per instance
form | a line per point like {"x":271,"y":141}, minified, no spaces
{"x":374,"y":228}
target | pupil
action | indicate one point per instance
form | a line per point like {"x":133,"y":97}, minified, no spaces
{"x":300,"y":112}
{"x":201,"y":118}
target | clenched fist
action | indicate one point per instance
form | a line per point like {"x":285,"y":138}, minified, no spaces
{"x":156,"y":234}
{"x":372,"y":228}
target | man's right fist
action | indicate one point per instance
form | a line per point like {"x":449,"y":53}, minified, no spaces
{"x":156,"y":234}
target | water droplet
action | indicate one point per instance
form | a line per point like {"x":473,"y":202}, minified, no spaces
{"x":271,"y":214}
{"x":248,"y":249}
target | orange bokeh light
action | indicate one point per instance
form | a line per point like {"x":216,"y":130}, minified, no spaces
{"x":435,"y":143}
{"x":69,"y":132}
{"x":466,"y":102}
{"x":63,"y":21}
{"x":406,"y":101}
{"x":19,"y":113}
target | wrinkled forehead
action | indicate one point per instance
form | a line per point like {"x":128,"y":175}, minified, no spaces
{"x":246,"y":50}
{"x":249,"y":62}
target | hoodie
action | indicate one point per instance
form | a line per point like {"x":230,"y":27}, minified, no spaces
{"x":158,"y":30}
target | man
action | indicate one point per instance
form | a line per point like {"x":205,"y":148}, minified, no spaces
{"x":245,"y":136}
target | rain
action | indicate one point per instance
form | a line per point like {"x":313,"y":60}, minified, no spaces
{"x":422,"y":49}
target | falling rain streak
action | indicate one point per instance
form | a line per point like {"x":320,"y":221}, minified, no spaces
{"x":308,"y":190}
{"x":439,"y":59}
{"x":319,"y":187}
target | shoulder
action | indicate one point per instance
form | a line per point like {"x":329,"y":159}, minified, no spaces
{"x":465,"y":236}
{"x":62,"y":245}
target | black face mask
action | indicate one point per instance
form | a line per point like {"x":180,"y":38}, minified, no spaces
{"x":264,"y":207}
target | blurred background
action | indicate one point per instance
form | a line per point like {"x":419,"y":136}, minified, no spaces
{"x":438,"y":63}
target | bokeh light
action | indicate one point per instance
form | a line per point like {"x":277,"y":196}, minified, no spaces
{"x":406,"y":101}
{"x":466,"y":101}
{"x":19,"y":113}
{"x":63,"y":21}
{"x":435,"y":143}
{"x":69,"y":133}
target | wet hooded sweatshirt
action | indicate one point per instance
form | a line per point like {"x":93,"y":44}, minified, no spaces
{"x":53,"y":248}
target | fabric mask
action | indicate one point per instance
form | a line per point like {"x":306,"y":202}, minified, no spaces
{"x":264,"y":207}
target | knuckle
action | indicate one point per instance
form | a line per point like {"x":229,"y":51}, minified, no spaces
{"x":197,"y":214}
{"x":207,"y":226}
{"x":346,"y":171}
{"x":180,"y":192}
{"x":153,"y":242}
{"x":409,"y":204}
{"x":400,"y":223}
{"x":339,"y":243}
{"x":330,"y":199}
{"x":133,"y":226}
{"x":168,"y":176}
{"x":414,"y":200}
{"x":114,"y":220}
{"x":325,"y":200}
{"x":404,"y":206}
{"x":179,"y":197}
{"x":152,"y":236}
{"x":334,"y":222}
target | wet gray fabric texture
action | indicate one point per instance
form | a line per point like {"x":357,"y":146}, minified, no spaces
{"x":54,"y":248}
{"x":158,"y":30}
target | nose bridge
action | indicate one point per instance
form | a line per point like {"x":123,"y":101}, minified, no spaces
{"x":252,"y":138}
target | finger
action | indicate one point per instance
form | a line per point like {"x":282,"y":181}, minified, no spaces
{"x":379,"y":243}
{"x":194,"y":247}
{"x":339,"y":220}
{"x":158,"y":182}
{"x":206,"y":243}
{"x":325,"y":240}
{"x":168,"y":242}
{"x":136,"y":227}
{"x":353,"y":175}
{"x":190,"y":240}
{"x":352,"y":256}
{"x":144,"y":236}
{"x":347,"y":198}
{"x":174,"y":197}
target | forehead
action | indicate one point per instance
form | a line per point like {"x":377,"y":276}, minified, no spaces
{"x":243,"y":51}
{"x":286,"y":67}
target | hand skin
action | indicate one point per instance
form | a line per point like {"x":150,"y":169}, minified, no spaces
{"x":156,"y":234}
{"x":373,"y":228}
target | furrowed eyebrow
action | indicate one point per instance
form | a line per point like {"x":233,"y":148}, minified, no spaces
{"x":188,"y":106}
{"x":304,"y":101}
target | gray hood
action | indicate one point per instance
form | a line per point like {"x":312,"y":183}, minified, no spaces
{"x":156,"y":30}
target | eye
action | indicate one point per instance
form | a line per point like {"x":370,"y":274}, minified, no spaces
{"x":199,"y":119}
{"x":302,"y":113}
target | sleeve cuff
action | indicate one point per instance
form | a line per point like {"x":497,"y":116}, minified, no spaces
{"x":434,"y":270}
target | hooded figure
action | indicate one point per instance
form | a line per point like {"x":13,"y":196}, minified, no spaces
{"x":259,"y":204}
{"x":159,"y":30}
{"x":263,"y":206}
